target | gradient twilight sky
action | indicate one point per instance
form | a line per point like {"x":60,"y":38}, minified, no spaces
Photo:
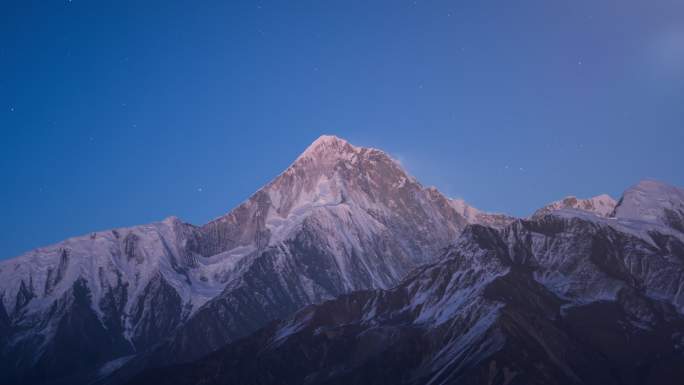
{"x":121,"y":113}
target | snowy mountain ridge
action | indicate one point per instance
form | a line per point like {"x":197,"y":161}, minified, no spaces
{"x":340,"y":219}
{"x":479,"y":217}
{"x":564,"y":298}
{"x":601,"y":205}
{"x":570,"y":296}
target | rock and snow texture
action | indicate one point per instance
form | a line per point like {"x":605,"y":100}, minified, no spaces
{"x":91,"y":299}
{"x":340,"y":218}
{"x":602,"y":205}
{"x":553,"y":300}
{"x":132,"y":257}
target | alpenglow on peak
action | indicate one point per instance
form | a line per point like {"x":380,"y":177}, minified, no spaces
{"x":328,"y":146}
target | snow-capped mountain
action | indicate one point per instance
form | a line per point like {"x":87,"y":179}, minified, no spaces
{"x":71,"y":306}
{"x":438,"y":285}
{"x":602,"y":205}
{"x":340,"y":218}
{"x":569,"y":297}
{"x":653,"y":201}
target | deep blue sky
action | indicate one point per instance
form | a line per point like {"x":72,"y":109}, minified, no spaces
{"x":121,"y":113}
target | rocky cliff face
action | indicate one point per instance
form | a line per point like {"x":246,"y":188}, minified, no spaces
{"x":565,"y":298}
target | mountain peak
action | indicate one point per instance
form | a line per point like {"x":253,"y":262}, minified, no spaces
{"x":601,"y":205}
{"x":652,"y":200}
{"x":656,"y":190}
{"x":328,"y":146}
{"x":328,"y":140}
{"x":652,"y":185}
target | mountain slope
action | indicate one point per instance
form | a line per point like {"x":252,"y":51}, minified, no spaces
{"x":340,"y":218}
{"x":568,"y":298}
{"x":108,"y":294}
